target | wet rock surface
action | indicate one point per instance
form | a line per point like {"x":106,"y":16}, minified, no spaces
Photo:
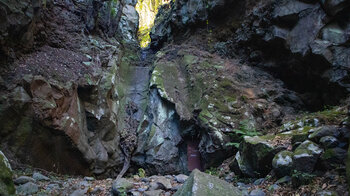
{"x":6,"y":182}
{"x":247,"y":81}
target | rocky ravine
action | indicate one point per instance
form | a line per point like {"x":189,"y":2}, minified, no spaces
{"x":75,"y":86}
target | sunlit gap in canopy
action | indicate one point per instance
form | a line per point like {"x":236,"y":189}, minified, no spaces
{"x":147,"y":10}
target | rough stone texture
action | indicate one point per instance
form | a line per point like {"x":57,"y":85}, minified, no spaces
{"x":153,"y":193}
{"x":255,"y":155}
{"x":199,"y":86}
{"x":121,"y":186}
{"x":23,"y":179}
{"x":310,"y":37}
{"x":201,"y":184}
{"x":28,"y":188}
{"x":283,"y":163}
{"x":6,"y":184}
{"x":182,"y":15}
{"x":305,"y":156}
{"x":324,"y":131}
{"x":66,"y":89}
{"x":333,"y":156}
{"x":257,"y":192}
{"x":39,"y":177}
{"x":181,"y":178}
{"x":329,"y":142}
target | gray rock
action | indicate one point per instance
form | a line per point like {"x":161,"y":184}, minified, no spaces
{"x":176,"y":187}
{"x":242,"y":185}
{"x":326,"y":193}
{"x":305,"y":156}
{"x":334,"y":155}
{"x":333,"y":7}
{"x":89,"y":178}
{"x":39,"y":177}
{"x":121,"y":186}
{"x":329,"y":142}
{"x":27,"y":188}
{"x":344,"y":134}
{"x":129,"y":23}
{"x":181,"y":178}
{"x":153,"y":186}
{"x":283,"y":163}
{"x":153,"y":193}
{"x":230,"y":177}
{"x":334,"y":34}
{"x":309,"y":25}
{"x":142,"y":189}
{"x":201,"y":184}
{"x":53,"y":186}
{"x":257,"y":192}
{"x":79,"y":192}
{"x":135,"y":193}
{"x":324,"y":131}
{"x":289,"y":10}
{"x":23,"y":180}
{"x":273,"y":187}
{"x":167,"y":194}
{"x":255,"y":156}
{"x":259,"y":181}
{"x":285,"y":179}
{"x":163,"y":182}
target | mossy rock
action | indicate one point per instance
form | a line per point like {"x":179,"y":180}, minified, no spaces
{"x":306,"y":156}
{"x":257,"y":153}
{"x":334,"y":156}
{"x":6,"y":184}
{"x":283,"y":163}
{"x":324,"y":131}
{"x":298,"y":135}
{"x":121,"y":186}
{"x":202,"y":184}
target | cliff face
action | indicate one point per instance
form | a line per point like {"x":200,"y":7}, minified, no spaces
{"x":312,"y":40}
{"x":76,"y":86}
{"x":60,"y":62}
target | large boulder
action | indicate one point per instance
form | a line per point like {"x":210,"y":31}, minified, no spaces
{"x":306,"y":156}
{"x":332,"y":157}
{"x":256,"y":154}
{"x":283,"y":163}
{"x":6,"y":184}
{"x":324,"y":131}
{"x":223,"y":105}
{"x":201,"y":184}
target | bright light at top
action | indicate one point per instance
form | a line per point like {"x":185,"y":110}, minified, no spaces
{"x":147,"y":10}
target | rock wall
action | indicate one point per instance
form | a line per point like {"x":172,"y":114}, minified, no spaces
{"x":312,"y":40}
{"x":76,"y":87}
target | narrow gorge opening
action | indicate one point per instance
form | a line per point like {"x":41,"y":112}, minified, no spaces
{"x":147,"y":10}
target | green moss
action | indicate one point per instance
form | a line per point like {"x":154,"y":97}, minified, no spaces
{"x":189,"y":59}
{"x":6,"y":184}
{"x":141,"y":173}
{"x":328,"y":154}
{"x":333,"y":115}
